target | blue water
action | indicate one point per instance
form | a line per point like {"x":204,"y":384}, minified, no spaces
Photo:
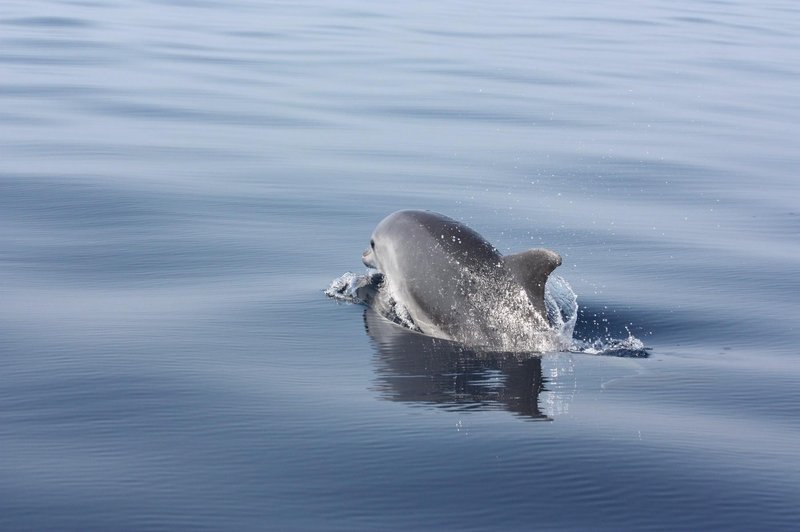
{"x":180,"y":180}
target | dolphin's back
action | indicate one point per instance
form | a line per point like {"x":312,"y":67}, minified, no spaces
{"x":455,"y":239}
{"x":445,"y":234}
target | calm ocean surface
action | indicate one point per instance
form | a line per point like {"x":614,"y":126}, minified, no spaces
{"x":180,"y":180}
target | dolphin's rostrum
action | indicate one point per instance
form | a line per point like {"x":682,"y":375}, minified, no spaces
{"x":443,"y":279}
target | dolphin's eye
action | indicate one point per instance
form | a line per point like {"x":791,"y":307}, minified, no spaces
{"x":372,"y":244}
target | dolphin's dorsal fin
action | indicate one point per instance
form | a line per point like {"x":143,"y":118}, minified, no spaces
{"x":531,"y":269}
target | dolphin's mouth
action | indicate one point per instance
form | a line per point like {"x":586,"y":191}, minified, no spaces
{"x":368,"y":258}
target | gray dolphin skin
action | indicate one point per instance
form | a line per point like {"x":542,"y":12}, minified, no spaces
{"x":447,"y":281}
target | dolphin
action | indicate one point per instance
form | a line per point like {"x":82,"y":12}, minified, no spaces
{"x":445,"y":280}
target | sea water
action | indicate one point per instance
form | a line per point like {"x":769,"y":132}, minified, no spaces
{"x":181,"y":180}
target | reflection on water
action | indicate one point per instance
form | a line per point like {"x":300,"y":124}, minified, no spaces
{"x":415,"y":368}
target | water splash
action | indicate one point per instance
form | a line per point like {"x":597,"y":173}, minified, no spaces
{"x":630,"y":347}
{"x":349,"y":287}
{"x":561,"y":304}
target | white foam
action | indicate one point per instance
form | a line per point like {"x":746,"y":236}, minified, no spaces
{"x":343,"y":288}
{"x":626,"y":347}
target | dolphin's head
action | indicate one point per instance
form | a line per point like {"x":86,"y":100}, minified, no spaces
{"x":381,"y":252}
{"x":369,"y":258}
{"x":380,"y":244}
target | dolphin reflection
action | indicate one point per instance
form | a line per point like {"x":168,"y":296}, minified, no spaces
{"x":412,"y":367}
